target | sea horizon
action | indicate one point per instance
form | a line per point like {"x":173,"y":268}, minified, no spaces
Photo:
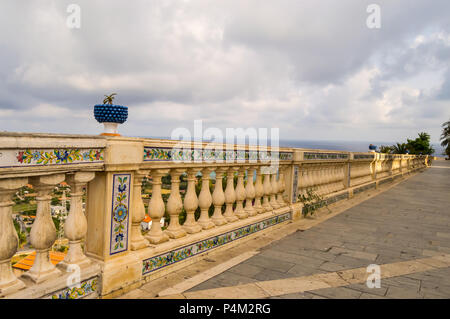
{"x":333,"y":145}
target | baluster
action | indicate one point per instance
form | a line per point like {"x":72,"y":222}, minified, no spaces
{"x":75,"y":226}
{"x":205,"y":201}
{"x":9,"y":241}
{"x":191,"y":204}
{"x":218,"y":198}
{"x":137,"y":212}
{"x":240,"y":195}
{"x":175,"y":206}
{"x":43,"y":231}
{"x":156,"y":209}
{"x":250,"y":192}
{"x":259,"y":191}
{"x":230,"y":196}
{"x":267,"y":189}
{"x":281,"y":186}
{"x":273,"y":194}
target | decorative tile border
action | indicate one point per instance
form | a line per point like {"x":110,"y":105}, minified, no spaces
{"x":295,"y":185}
{"x":120,"y":213}
{"x":364,"y":188}
{"x":328,"y":201}
{"x":154,"y":263}
{"x":164,"y":154}
{"x":47,"y":157}
{"x":363,"y":156}
{"x":324,"y":156}
{"x":386,"y":180}
{"x":87,"y":287}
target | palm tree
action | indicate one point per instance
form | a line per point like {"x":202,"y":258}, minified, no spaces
{"x":108,"y":100}
{"x":445,"y":137}
{"x":399,"y":148}
{"x":385,"y":149}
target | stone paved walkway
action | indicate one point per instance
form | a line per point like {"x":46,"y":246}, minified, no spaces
{"x":410,"y":222}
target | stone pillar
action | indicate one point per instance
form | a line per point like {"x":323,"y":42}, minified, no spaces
{"x":138,"y":212}
{"x":240,"y":195}
{"x":9,"y":241}
{"x":76,"y":223}
{"x":205,"y":201}
{"x":281,"y":186}
{"x":259,"y":191}
{"x":191,"y":204}
{"x":156,"y":209}
{"x":175,"y":206}
{"x":230,"y":197}
{"x":43,"y":232}
{"x":218,"y":198}
{"x":273,"y":193}
{"x":250,"y":192}
{"x":267,"y":189}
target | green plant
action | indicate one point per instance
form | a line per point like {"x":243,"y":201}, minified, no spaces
{"x":399,"y":148}
{"x":108,"y":100}
{"x":311,"y":202}
{"x":421,"y":145}
{"x":385,"y":149}
{"x":445,"y":137}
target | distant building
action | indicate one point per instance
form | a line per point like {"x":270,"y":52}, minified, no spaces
{"x":147,"y":222}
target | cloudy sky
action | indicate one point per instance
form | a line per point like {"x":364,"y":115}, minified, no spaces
{"x":311,"y":68}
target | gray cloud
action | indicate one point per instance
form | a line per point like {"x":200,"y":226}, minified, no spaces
{"x":311,"y":68}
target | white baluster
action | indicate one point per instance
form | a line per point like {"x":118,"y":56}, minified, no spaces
{"x":137,"y":212}
{"x":281,"y":186}
{"x":175,"y":206}
{"x":191,"y":204}
{"x":240,"y":195}
{"x":259,"y":191}
{"x":230,"y":196}
{"x":218,"y":198}
{"x":250,"y":192}
{"x":9,"y":241}
{"x":75,"y":226}
{"x":205,"y":201}
{"x":156,"y":209}
{"x":273,"y":194}
{"x":267,"y":189}
{"x":43,"y":232}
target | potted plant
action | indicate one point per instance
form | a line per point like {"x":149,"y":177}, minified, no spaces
{"x":110,"y":115}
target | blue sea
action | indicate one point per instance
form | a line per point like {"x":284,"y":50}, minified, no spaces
{"x":350,"y":146}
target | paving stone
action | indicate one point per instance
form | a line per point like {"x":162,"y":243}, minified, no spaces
{"x":373,"y":291}
{"x":331,"y":266}
{"x":403,"y":293}
{"x":269,"y":274}
{"x":337,"y":293}
{"x":269,"y":263}
{"x":247,"y":270}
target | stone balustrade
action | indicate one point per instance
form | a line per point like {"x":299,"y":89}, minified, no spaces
{"x":231,"y":192}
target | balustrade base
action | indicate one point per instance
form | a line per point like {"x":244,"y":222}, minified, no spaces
{"x":41,"y":276}
{"x":11,"y":287}
{"x":157,"y":239}
{"x":192,"y":229}
{"x":219,"y":221}
{"x":42,"y":268}
{"x":175,"y":233}
{"x":231,"y":219}
{"x":139,"y":244}
{"x":207,"y":224}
